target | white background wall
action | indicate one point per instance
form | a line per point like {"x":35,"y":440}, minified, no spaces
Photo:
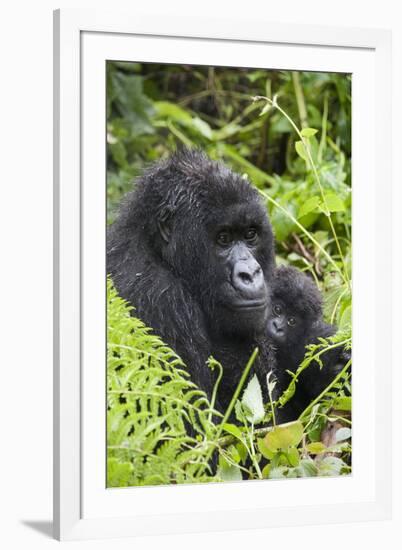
{"x":26,"y":271}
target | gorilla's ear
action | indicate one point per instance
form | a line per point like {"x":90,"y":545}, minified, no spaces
{"x":165,"y":219}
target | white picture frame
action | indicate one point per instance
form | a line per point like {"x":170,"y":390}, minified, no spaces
{"x":83,"y":507}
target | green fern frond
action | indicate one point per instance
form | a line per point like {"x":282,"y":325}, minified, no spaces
{"x":152,"y":403}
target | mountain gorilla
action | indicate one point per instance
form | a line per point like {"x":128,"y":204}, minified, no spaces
{"x":294,"y":322}
{"x":192,"y":250}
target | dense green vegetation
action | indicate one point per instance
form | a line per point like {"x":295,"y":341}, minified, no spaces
{"x":290,"y":133}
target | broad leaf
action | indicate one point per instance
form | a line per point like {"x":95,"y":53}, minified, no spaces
{"x":262,"y":447}
{"x":233,"y":430}
{"x":343,"y":403}
{"x":301,"y":150}
{"x":293,"y":456}
{"x":334,"y":203}
{"x":284,"y":436}
{"x":252,"y":400}
{"x":308,"y":132}
{"x":316,"y":448}
{"x":346,"y":318}
{"x":307,"y":468}
{"x":202,"y":127}
{"x":308,"y":206}
{"x":342,"y":434}
{"x":330,"y":466}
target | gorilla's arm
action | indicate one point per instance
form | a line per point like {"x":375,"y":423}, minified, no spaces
{"x":163,"y":303}
{"x":315,"y":379}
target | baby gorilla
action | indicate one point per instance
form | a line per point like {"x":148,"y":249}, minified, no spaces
{"x":296,"y":321}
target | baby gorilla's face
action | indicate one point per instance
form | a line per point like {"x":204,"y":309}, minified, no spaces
{"x":284,"y":325}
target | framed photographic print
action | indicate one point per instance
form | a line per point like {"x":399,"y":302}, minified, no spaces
{"x":203,"y":316}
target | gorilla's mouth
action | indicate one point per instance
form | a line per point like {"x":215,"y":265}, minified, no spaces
{"x":276,"y":339}
{"x":249,"y":304}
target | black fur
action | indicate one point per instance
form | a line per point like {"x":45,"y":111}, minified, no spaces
{"x":296,"y":298}
{"x":163,"y":256}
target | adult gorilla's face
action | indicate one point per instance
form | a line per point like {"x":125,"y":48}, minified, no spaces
{"x":222,"y":246}
{"x":239,"y":269}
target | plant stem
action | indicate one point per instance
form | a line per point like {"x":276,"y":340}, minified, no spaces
{"x":301,"y":105}
{"x":216,"y":386}
{"x":270,"y":399}
{"x":303,"y":366}
{"x":313,"y":273}
{"x":252,"y":452}
{"x":338,"y":301}
{"x":229,"y":439}
{"x":231,"y":405}
{"x":237,"y":392}
{"x":326,"y":390}
{"x":324,"y":128}
{"x":274,"y":103}
{"x":307,"y":233}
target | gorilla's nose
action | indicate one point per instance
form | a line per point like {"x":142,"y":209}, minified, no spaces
{"x":277,"y":326}
{"x":248,"y":278}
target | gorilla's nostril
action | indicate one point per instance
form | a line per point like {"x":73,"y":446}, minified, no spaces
{"x":248,"y":278}
{"x":277,"y":327}
{"x":245,"y":278}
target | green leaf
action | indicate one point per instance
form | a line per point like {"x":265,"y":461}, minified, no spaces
{"x":343,"y":403}
{"x":262,"y":447}
{"x":334,"y":203}
{"x":342,"y":434}
{"x":293,"y":456}
{"x":233,"y":430}
{"x":242,"y":450}
{"x":118,"y":473}
{"x":234,"y":454}
{"x":229,"y":472}
{"x":278,"y":473}
{"x":239,"y":412}
{"x":284,"y":436}
{"x":265,"y":471}
{"x":316,"y":448}
{"x":309,"y":205}
{"x":132,"y":104}
{"x":255,"y":75}
{"x":170,"y":110}
{"x":225,"y":132}
{"x":346,"y":318}
{"x":252,"y":400}
{"x":307,"y":468}
{"x":202,"y":127}
{"x":308,"y":132}
{"x":301,"y":150}
{"x":330,"y":466}
{"x":283,"y":225}
{"x":159,"y":401}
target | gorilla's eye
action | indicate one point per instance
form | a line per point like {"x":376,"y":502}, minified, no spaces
{"x":277,"y":309}
{"x":251,"y":234}
{"x":291,"y":321}
{"x":224,"y":238}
